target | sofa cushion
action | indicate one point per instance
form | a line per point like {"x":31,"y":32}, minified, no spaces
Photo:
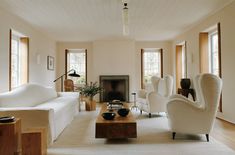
{"x":58,"y":104}
{"x":27,"y":95}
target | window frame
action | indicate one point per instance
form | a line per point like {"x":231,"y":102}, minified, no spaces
{"x":142,"y":65}
{"x":17,"y":36}
{"x":66,"y":63}
{"x":204,"y":52}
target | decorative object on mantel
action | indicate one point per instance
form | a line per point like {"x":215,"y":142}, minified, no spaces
{"x":89,"y":91}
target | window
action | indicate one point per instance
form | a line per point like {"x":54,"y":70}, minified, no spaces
{"x":181,"y":63}
{"x":213,"y":51}
{"x":210,"y":53}
{"x":77,"y":59}
{"x":18,"y":60}
{"x":152,"y":64}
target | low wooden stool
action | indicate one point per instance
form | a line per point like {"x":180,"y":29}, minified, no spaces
{"x":10,"y":138}
{"x":34,"y":141}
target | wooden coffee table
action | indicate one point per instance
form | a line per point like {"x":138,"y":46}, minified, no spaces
{"x":119,"y":127}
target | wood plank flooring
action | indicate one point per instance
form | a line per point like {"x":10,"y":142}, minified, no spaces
{"x":224,"y":132}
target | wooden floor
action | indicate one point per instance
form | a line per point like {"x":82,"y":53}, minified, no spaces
{"x":224,"y":132}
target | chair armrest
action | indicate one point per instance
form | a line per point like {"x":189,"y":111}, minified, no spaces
{"x":32,"y":117}
{"x":187,"y":117}
{"x":189,"y":101}
{"x":141,"y":93}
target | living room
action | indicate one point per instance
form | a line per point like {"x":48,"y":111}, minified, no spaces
{"x":54,"y":27}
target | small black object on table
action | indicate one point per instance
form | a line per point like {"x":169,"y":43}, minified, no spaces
{"x":186,"y":92}
{"x":7,"y":119}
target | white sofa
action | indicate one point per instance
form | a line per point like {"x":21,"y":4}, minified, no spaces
{"x":39,"y":106}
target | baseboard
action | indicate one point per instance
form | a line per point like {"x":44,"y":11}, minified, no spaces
{"x":223,"y":119}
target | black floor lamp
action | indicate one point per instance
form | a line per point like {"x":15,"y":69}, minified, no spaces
{"x":74,"y":74}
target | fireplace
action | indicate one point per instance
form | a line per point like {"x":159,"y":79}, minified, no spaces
{"x":116,"y":87}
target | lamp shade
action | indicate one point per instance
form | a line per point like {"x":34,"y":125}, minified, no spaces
{"x":74,"y":74}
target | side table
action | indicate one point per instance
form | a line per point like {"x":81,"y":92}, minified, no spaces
{"x":34,"y":141}
{"x":10,"y":138}
{"x":186,"y":92}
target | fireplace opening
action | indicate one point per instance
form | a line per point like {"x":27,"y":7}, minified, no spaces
{"x":116,"y":87}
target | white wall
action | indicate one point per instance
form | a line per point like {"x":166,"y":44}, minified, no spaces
{"x":226,"y":18}
{"x":38,"y":44}
{"x":116,"y":57}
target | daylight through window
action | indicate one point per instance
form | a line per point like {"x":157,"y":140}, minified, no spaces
{"x":76,"y":59}
{"x":151,"y":59}
{"x":19,"y":60}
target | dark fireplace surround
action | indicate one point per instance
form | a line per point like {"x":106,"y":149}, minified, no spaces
{"x":116,"y":87}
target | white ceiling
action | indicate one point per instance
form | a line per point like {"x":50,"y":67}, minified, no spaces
{"x":88,"y":20}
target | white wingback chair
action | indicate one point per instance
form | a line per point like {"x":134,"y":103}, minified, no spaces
{"x":154,"y":99}
{"x":187,"y":116}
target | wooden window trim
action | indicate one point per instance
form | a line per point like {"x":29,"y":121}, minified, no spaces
{"x":86,"y":65}
{"x":203,"y":52}
{"x":142,"y":66}
{"x":26,"y":41}
{"x":178,"y":61}
{"x":161,"y":54}
{"x":66,"y":62}
{"x":220,"y":64}
{"x":10,"y":42}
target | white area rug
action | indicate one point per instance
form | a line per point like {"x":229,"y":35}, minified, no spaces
{"x":153,"y":138}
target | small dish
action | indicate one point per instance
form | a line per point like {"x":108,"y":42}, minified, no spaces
{"x":7,"y":119}
{"x":108,"y":115}
{"x":123,"y":112}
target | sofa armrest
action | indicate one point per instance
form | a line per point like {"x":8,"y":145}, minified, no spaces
{"x":32,"y":117}
{"x":71,"y":94}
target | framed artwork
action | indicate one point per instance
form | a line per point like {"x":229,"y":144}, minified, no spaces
{"x":50,"y":63}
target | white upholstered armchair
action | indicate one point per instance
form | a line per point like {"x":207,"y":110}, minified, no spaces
{"x":154,"y":99}
{"x":187,"y":116}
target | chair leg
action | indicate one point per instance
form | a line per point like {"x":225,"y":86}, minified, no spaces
{"x":150,"y":115}
{"x":173,"y":135}
{"x":207,"y":137}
